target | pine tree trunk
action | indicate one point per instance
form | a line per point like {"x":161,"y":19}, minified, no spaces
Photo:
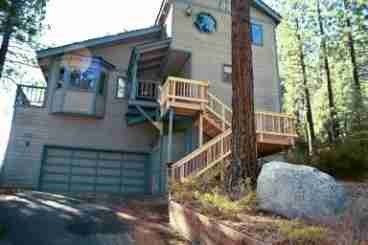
{"x":305,"y":83}
{"x":331,"y":101}
{"x":351,"y":47}
{"x":356,"y":82}
{"x":244,"y":146}
{"x":5,"y":43}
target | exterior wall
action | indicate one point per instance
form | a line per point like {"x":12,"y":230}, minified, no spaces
{"x":211,"y":51}
{"x":35,"y":127}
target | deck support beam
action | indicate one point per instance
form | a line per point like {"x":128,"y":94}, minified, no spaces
{"x":155,"y":124}
{"x":170,"y":136}
{"x":200,"y":126}
{"x":133,"y":71}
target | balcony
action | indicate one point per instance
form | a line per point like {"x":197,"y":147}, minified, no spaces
{"x":275,"y":131}
{"x":185,"y":96}
{"x":30,"y":96}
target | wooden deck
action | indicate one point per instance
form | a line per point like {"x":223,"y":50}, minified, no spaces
{"x":275,"y":131}
{"x":186,"y":97}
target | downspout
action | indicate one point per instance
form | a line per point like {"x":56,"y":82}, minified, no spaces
{"x":133,"y":70}
{"x":279,"y":92}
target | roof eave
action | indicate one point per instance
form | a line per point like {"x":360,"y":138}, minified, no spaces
{"x":268,"y":10}
{"x":96,"y":42}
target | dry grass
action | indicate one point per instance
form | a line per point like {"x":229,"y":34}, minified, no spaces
{"x":297,"y":232}
{"x":213,"y":203}
{"x":219,"y":205}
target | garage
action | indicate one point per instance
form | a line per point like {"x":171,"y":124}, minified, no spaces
{"x":94,"y":171}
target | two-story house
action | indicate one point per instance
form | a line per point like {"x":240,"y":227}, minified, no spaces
{"x":117,"y":109}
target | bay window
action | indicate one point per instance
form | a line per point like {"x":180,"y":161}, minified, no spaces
{"x":80,"y":88}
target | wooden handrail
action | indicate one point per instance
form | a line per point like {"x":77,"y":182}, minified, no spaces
{"x":185,"y":80}
{"x":224,"y":110}
{"x":213,"y":97}
{"x":219,"y":148}
{"x":204,"y":157}
{"x":203,"y":148}
{"x":284,"y":115}
{"x":266,"y":122}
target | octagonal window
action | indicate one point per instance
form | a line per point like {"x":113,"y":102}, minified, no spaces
{"x":205,"y":23}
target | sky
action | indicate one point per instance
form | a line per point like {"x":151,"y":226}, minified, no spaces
{"x":77,"y":20}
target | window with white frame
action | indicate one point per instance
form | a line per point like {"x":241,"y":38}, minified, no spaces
{"x":121,"y":87}
{"x":227,"y":71}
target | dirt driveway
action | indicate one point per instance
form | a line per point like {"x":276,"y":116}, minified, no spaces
{"x":36,"y":218}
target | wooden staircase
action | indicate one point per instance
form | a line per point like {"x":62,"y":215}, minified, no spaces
{"x":275,"y":131}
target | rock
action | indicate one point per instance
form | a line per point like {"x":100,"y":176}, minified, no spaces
{"x":297,"y":191}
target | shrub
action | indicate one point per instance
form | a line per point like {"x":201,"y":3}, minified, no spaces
{"x":2,"y":232}
{"x":348,"y":159}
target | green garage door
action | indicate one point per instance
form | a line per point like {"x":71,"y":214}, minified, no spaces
{"x":76,"y":170}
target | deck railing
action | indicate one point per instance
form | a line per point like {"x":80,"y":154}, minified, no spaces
{"x":266,"y":122}
{"x":183,"y":90}
{"x":148,"y":90}
{"x":280,"y":124}
{"x":30,"y":96}
{"x":220,"y":110}
{"x":219,"y":148}
{"x":203,"y":158}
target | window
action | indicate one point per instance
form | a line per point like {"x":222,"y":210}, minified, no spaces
{"x":205,"y":23}
{"x":61,"y":81}
{"x":77,"y":75}
{"x":257,"y":34}
{"x":120,"y":88}
{"x":227,"y":71}
{"x":62,"y":74}
{"x":85,"y":80}
{"x":101,"y":84}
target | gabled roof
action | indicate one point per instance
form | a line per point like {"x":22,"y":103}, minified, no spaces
{"x":101,"y":41}
{"x":259,"y":4}
{"x":262,"y":6}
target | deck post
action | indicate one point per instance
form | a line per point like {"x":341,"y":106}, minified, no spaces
{"x":200,"y":129}
{"x":223,"y":112}
{"x":170,"y":135}
{"x":133,"y":74}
